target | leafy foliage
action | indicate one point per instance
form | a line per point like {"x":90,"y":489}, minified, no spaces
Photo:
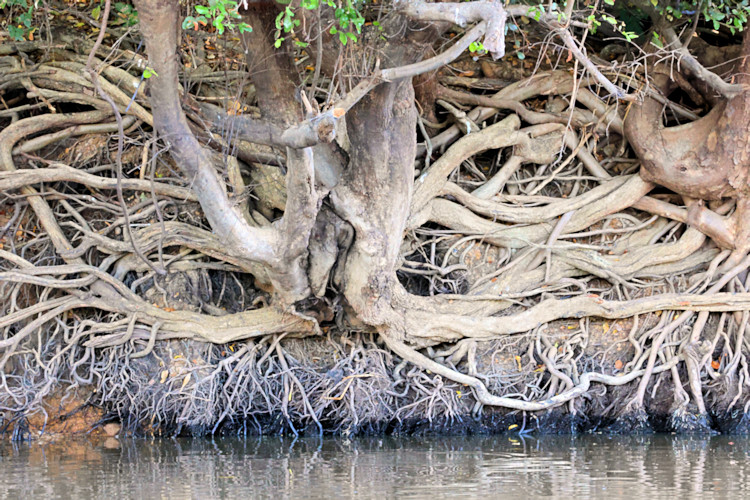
{"x":626,"y":16}
{"x":349,"y":19}
{"x":125,"y":14}
{"x":732,"y":14}
{"x":220,"y":13}
{"x":19,"y":27}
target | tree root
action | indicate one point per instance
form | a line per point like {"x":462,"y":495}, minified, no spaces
{"x":538,"y":215}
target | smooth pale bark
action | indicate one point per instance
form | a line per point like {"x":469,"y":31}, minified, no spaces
{"x":283,"y":247}
{"x":159,"y":22}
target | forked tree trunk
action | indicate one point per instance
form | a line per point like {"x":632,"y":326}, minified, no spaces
{"x":372,"y":194}
{"x":281,"y":248}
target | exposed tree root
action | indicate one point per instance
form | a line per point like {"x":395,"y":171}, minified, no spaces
{"x":523,"y":265}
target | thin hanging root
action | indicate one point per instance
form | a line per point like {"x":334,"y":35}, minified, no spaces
{"x":349,"y":379}
{"x":680,"y":396}
{"x":681,"y":319}
{"x":290,"y":374}
{"x":484,"y":396}
{"x":694,"y":355}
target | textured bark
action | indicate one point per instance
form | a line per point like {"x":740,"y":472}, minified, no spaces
{"x":374,"y":195}
{"x":159,"y":20}
{"x":706,"y":159}
{"x":426,"y":93}
{"x":731,"y":139}
{"x":374,"y":192}
{"x":271,"y":70}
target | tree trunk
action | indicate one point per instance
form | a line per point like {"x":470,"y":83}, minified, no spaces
{"x":706,"y":159}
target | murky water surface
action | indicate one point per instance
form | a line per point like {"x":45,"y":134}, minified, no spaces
{"x":465,"y":467}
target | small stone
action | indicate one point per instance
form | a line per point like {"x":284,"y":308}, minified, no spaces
{"x":488,"y":70}
{"x":112,"y":429}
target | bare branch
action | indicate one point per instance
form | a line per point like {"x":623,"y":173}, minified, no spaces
{"x":59,"y":172}
{"x":587,"y":63}
{"x":690,"y":63}
{"x":319,"y":129}
{"x":494,"y":13}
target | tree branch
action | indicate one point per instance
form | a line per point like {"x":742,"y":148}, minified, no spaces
{"x":494,"y":13}
{"x":159,"y":22}
{"x":316,"y":130}
{"x":690,"y":63}
{"x":59,"y":172}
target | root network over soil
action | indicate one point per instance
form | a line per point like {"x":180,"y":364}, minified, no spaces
{"x":264,"y":240}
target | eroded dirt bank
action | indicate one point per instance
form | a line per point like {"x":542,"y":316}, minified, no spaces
{"x":352,"y":386}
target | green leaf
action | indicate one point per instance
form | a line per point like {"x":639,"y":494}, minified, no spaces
{"x":287,"y":21}
{"x":148,"y":73}
{"x":218,"y":24}
{"x":476,"y":47}
{"x":96,"y":11}
{"x":16,"y":33}
{"x":25,"y":19}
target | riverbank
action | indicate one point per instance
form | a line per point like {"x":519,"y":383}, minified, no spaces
{"x":490,"y":260}
{"x":349,"y":385}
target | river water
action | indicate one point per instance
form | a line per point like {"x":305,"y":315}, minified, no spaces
{"x":590,"y":466}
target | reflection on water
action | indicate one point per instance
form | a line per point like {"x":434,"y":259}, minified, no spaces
{"x":470,"y":467}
